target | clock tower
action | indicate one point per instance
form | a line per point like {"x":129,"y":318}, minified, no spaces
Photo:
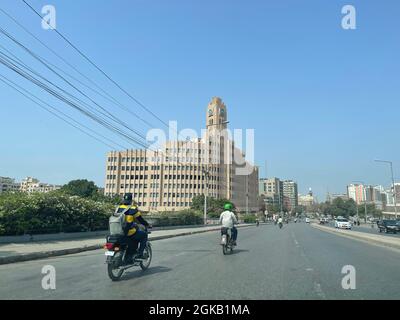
{"x":216,"y":117}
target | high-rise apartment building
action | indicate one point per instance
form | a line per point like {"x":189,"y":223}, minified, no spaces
{"x":271,"y":190}
{"x":290,"y":191}
{"x":356,"y":192}
{"x":169,"y":178}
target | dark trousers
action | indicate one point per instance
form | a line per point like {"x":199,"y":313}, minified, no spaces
{"x":234,"y":234}
{"x":139,"y":237}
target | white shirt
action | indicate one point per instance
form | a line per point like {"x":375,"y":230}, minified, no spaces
{"x":280,"y":220}
{"x":228,"y":219}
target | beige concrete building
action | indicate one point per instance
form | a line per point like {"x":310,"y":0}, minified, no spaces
{"x":169,"y":178}
{"x":31,"y":185}
{"x":307,"y":200}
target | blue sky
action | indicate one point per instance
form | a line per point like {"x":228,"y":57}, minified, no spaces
{"x":323,"y":101}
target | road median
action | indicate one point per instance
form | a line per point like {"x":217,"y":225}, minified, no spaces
{"x":376,"y":239}
{"x":12,"y":253}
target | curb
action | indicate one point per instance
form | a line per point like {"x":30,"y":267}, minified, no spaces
{"x":360,"y":237}
{"x":63,"y":252}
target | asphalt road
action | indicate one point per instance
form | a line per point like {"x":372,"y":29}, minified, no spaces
{"x":368,"y":229}
{"x":296,"y":262}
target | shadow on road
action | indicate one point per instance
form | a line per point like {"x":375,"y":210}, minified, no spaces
{"x":236,"y":251}
{"x":140,"y":274}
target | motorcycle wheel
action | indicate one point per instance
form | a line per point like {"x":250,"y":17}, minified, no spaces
{"x":225,"y":249}
{"x":114,"y":268}
{"x":149,"y":253}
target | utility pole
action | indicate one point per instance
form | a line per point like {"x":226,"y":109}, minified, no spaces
{"x":206,"y":174}
{"x":247,"y":194}
{"x":393,"y":184}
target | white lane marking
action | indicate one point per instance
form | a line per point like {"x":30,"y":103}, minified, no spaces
{"x":179,"y":254}
{"x":295,"y":241}
{"x":310,"y":269}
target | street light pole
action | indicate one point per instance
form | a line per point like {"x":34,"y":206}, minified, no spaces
{"x":206,"y":173}
{"x":394,"y":187}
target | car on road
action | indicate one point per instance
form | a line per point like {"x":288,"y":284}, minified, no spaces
{"x":307,"y":220}
{"x":342,"y":223}
{"x":388,"y":226}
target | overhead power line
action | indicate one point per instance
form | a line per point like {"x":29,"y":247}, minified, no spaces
{"x":34,"y":55}
{"x":56,"y":112}
{"x":97,"y":67}
{"x":104,"y":93}
{"x":74,"y":105}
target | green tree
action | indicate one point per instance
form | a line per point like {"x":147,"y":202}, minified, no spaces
{"x":273,"y":209}
{"x":81,"y":188}
{"x":214,"y":206}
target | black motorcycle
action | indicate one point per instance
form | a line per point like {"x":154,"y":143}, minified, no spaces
{"x":117,"y":264}
{"x":280,"y":225}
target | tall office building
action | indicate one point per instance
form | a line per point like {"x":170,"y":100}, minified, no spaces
{"x":290,"y":191}
{"x":169,"y":178}
{"x":271,"y":190}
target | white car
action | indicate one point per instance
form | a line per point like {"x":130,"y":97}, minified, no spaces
{"x":343,"y":224}
{"x":307,"y":220}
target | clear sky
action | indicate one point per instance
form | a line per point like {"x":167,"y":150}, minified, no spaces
{"x":324,"y":102}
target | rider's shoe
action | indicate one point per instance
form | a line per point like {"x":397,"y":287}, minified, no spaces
{"x":141,"y":257}
{"x":234,"y":243}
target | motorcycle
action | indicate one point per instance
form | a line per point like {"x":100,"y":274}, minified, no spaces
{"x":116,"y":248}
{"x":257,"y":223}
{"x":226,"y":240}
{"x":280,"y":225}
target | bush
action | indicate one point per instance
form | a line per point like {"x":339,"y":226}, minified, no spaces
{"x":179,"y":218}
{"x":249,"y":218}
{"x":53,"y":212}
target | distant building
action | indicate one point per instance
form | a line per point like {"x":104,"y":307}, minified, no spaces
{"x":8,"y":185}
{"x":307,"y":200}
{"x":31,"y":185}
{"x":356,"y":192}
{"x":271,"y":190}
{"x":397,"y":191}
{"x":290,"y":191}
{"x":331,"y":197}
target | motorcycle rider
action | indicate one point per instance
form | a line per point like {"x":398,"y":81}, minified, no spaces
{"x":228,"y":220}
{"x":133,"y":232}
{"x":280,"y":221}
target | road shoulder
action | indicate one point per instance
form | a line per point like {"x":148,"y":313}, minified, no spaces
{"x":375,"y":239}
